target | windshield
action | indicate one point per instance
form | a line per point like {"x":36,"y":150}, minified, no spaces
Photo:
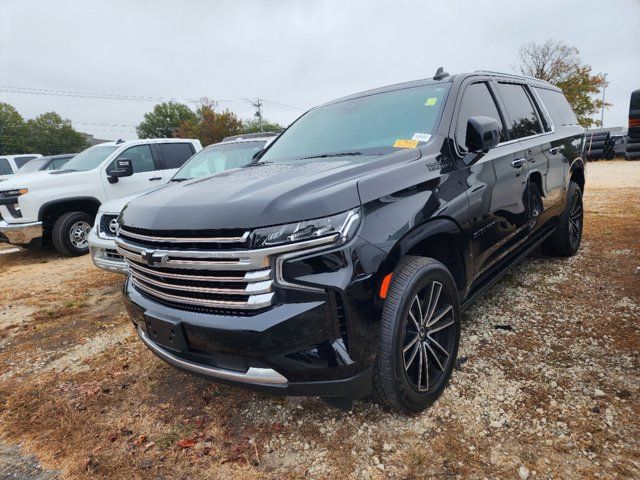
{"x":32,"y":165}
{"x":90,"y":158}
{"x":371,"y":125}
{"x":218,"y":158}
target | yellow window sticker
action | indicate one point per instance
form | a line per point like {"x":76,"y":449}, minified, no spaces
{"x":405,"y":143}
{"x":431,"y":101}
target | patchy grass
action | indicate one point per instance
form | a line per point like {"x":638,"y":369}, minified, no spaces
{"x":557,"y":393}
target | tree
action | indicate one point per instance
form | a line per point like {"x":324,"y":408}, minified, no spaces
{"x":210,"y":126}
{"x":560,"y":64}
{"x":13,"y":134}
{"x":164,"y":120}
{"x":49,"y":134}
{"x":256,"y":125}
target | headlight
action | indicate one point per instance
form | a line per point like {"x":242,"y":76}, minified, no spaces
{"x":341,"y":226}
{"x":16,"y":192}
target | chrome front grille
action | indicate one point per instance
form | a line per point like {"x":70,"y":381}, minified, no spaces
{"x":193,"y":271}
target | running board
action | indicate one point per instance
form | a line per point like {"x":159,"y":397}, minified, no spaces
{"x":504,"y":268}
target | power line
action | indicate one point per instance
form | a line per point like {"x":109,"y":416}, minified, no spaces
{"x":123,"y":97}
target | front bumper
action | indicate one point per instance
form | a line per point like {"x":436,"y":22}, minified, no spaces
{"x":104,"y":254}
{"x":20,"y":233}
{"x":290,"y":349}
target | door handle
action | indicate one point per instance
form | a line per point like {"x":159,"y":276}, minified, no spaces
{"x":518,"y":163}
{"x":153,"y":179}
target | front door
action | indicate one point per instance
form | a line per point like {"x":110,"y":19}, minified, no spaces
{"x":497,"y":181}
{"x":147,"y":173}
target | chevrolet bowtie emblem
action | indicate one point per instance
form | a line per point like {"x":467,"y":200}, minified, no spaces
{"x":150,"y":257}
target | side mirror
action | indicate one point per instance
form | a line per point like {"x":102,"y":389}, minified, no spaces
{"x":123,"y":168}
{"x":483,"y":133}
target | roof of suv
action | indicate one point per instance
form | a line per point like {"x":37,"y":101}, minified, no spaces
{"x":444,"y":79}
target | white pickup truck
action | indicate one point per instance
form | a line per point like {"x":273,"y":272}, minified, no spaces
{"x":61,"y":205}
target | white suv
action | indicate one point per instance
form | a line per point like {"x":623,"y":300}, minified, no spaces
{"x":233,"y":152}
{"x":61,"y":205}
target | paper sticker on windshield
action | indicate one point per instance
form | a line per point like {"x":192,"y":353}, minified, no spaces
{"x":405,"y":143}
{"x":431,"y":101}
{"x":421,"y":137}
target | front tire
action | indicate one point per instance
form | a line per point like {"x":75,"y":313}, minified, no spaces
{"x":419,"y":336}
{"x":565,"y":241}
{"x":70,"y":233}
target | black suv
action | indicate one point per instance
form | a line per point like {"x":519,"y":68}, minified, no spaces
{"x":337,"y":263}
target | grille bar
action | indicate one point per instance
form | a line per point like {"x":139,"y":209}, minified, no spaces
{"x":149,"y":238}
{"x":256,"y":276}
{"x":192,"y":272}
{"x":251,"y":289}
{"x":254,"y":302}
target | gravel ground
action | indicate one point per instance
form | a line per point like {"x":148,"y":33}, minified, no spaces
{"x":546,"y":385}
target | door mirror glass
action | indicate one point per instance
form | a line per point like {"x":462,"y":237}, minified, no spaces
{"x":123,"y":167}
{"x":483,"y":133}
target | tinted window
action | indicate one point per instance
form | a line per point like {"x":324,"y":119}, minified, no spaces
{"x":218,"y":158}
{"x":21,"y":161}
{"x":524,"y":120}
{"x":557,"y":106}
{"x":366,"y":126}
{"x":476,"y":101}
{"x":5,"y":168}
{"x":174,"y":154}
{"x":140,"y":157}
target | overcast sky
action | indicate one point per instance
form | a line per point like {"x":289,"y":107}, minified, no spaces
{"x":295,"y":53}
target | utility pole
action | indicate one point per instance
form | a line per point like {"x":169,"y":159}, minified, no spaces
{"x":604,"y":88}
{"x":258,"y":106}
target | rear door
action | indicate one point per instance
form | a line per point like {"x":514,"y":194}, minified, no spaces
{"x":147,"y":172}
{"x":525,"y":133}
{"x":172,"y":156}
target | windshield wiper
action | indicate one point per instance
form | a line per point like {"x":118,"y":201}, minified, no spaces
{"x":182,"y":179}
{"x":327,"y":155}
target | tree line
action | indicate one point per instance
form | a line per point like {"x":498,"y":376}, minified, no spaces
{"x":172,"y":119}
{"x":47,"y":134}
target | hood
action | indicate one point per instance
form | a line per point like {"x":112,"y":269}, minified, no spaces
{"x":117,"y":204}
{"x":257,"y":196}
{"x":42,"y":179}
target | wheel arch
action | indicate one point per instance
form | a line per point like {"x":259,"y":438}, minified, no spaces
{"x":50,"y":211}
{"x":439,"y":238}
{"x":576,"y":173}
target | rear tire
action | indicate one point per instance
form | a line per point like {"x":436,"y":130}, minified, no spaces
{"x":420,"y":327}
{"x":565,"y":241}
{"x":70,"y":233}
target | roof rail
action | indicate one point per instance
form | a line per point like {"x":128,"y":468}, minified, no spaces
{"x":516,"y":75}
{"x":252,"y":135}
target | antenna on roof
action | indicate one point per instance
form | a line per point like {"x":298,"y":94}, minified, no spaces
{"x":440,"y":74}
{"x":119,"y":141}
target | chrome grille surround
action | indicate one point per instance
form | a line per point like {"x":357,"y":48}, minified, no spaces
{"x":231,"y":277}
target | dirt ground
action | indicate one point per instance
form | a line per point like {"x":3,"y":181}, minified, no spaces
{"x":547,"y":383}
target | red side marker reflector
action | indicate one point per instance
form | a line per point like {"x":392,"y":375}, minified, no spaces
{"x":384,"y":288}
